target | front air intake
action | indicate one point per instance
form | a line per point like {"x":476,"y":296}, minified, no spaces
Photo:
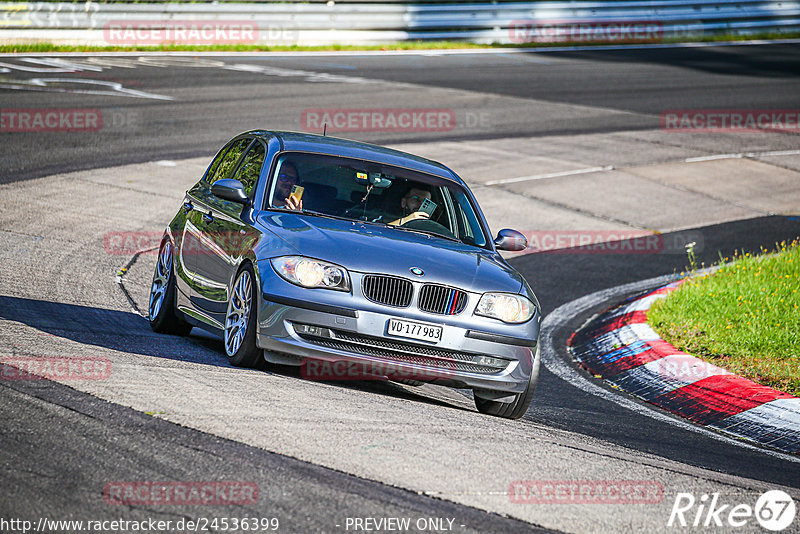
{"x":388,"y":290}
{"x":442,"y":300}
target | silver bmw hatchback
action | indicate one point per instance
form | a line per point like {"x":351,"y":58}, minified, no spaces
{"x":354,"y":262}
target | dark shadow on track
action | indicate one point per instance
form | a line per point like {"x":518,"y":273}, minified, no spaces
{"x":782,"y":61}
{"x":128,"y":332}
{"x":560,"y":277}
{"x":563,"y":277}
{"x":111,"y":329}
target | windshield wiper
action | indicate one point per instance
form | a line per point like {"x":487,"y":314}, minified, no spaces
{"x":338,"y":217}
{"x":320,"y":214}
{"x":423,"y":232}
{"x":381,"y":223}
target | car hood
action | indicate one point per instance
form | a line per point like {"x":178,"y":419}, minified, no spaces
{"x":372,"y":248}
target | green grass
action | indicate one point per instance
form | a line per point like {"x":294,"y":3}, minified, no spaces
{"x":744,"y":317}
{"x":404,"y":45}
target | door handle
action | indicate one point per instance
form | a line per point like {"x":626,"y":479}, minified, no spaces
{"x":207,"y":217}
{"x":187,"y":206}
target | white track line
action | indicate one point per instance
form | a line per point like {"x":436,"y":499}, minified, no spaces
{"x":550,"y":175}
{"x":556,"y":365}
{"x":606,"y":168}
{"x":712,"y":158}
{"x":739,"y":155}
{"x":772,"y":153}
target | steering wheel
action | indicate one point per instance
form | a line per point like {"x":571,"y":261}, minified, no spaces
{"x":427,"y":225}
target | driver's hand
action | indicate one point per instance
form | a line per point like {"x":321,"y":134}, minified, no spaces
{"x":294,"y":204}
{"x":408,"y":218}
{"x":414,"y":216}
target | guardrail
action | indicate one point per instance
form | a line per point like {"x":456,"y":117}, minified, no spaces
{"x":360,"y":22}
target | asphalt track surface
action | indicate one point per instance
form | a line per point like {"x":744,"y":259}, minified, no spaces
{"x":638,"y":85}
{"x":49,"y":472}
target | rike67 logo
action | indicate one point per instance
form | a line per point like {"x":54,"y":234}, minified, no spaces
{"x":774,"y":511}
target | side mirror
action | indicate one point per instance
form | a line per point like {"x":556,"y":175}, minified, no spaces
{"x":510,"y":240}
{"x":232,"y":190}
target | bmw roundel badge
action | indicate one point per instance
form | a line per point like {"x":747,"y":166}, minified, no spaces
{"x":417,"y":271}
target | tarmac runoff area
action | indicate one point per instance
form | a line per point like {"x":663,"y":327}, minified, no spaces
{"x":620,"y":347}
{"x":64,"y":258}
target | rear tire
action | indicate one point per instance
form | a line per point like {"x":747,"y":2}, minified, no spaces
{"x":521,"y":402}
{"x":163,"y":316}
{"x":240,"y":320}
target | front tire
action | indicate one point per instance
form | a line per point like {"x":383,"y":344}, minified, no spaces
{"x":516,"y":408}
{"x":161,"y":307}
{"x":240,"y":320}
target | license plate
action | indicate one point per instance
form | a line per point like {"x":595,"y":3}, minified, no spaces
{"x":412,"y":330}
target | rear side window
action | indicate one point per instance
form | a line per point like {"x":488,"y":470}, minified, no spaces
{"x":226,"y":164}
{"x":250,"y":169}
{"x":214,"y":164}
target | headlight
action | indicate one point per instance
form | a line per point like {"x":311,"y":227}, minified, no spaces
{"x":308,"y":272}
{"x":507,"y":307}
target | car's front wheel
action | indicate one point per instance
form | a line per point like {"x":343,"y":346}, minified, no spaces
{"x":516,"y":408}
{"x":161,"y":309}
{"x":240,"y":320}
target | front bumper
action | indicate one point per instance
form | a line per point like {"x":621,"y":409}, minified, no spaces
{"x":303,"y":327}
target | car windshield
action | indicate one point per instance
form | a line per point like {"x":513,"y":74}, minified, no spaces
{"x":372,"y":192}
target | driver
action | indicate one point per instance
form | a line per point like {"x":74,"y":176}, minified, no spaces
{"x":287,"y":177}
{"x":410,"y":204}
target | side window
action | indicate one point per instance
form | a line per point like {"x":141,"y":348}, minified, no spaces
{"x":286,"y":175}
{"x":472,"y":227}
{"x":250,"y":169}
{"x":226,"y":165}
{"x":463,"y":226}
{"x":214,"y":164}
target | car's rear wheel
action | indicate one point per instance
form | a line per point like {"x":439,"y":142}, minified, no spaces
{"x":516,"y":408}
{"x":240,"y":320}
{"x":163,"y":316}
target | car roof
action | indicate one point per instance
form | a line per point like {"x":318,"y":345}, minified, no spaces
{"x":335,"y":146}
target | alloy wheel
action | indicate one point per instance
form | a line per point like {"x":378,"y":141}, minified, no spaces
{"x":160,"y":280}
{"x":238,"y":314}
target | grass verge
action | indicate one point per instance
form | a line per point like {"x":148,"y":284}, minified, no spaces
{"x":744,"y":317}
{"x":404,"y":45}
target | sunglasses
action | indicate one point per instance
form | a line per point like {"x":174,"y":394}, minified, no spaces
{"x":414,"y":197}
{"x":287,"y":177}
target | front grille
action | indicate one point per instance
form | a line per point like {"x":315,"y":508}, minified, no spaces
{"x":388,"y":290}
{"x":441,"y":299}
{"x":447,"y":360}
